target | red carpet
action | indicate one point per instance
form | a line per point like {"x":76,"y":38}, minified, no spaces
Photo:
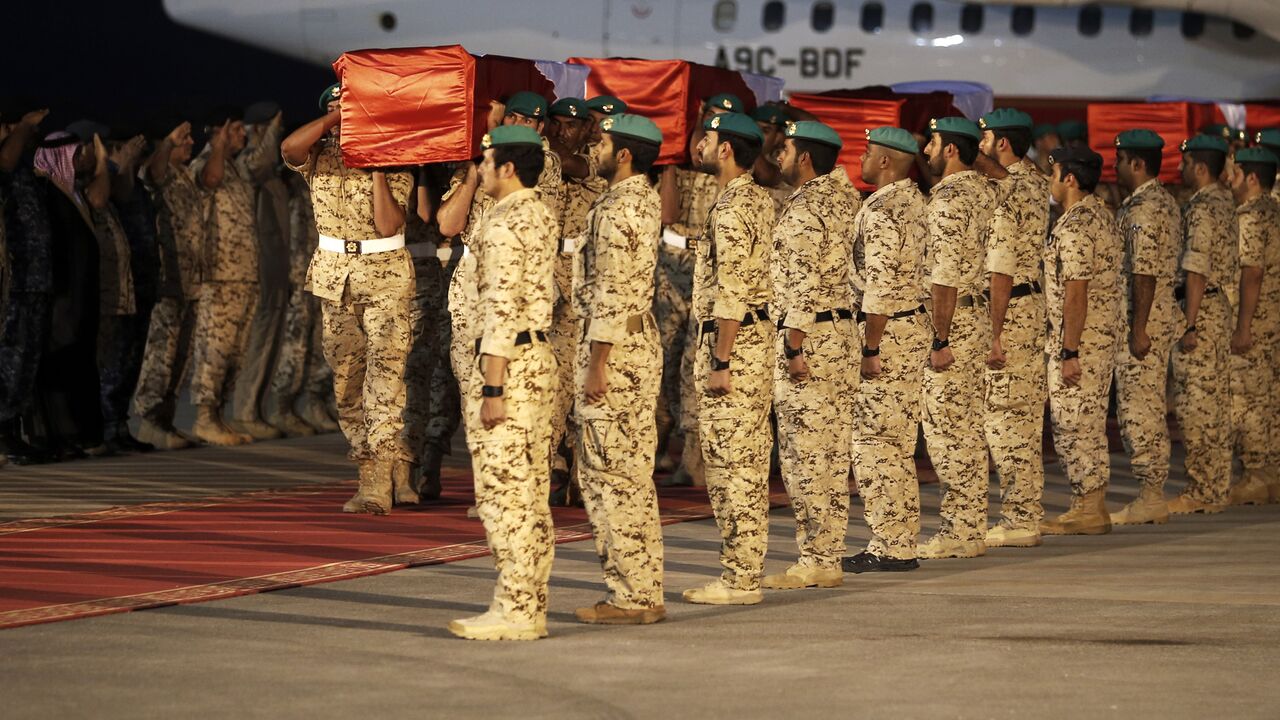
{"x":146,"y":556}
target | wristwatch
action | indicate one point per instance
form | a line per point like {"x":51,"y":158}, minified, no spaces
{"x":789,"y":353}
{"x":718,"y":364}
{"x":1070,"y":354}
{"x":870,"y":352}
{"x":491,"y":391}
{"x":940,"y":344}
{"x":1190,"y":329}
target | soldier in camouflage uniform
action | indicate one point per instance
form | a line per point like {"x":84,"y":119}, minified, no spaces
{"x":1013,"y":411}
{"x":1257,"y":327}
{"x":731,"y":371}
{"x":1201,"y":376}
{"x":813,"y":377}
{"x":618,"y":370}
{"x":772,"y":122}
{"x":958,"y":215}
{"x":890,"y":240}
{"x":508,"y":406}
{"x":1148,"y":219}
{"x":1270,"y":140}
{"x":364,"y":278}
{"x":1085,"y":299}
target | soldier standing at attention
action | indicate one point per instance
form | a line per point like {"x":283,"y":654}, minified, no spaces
{"x":814,"y":378}
{"x":1257,"y":326}
{"x":1148,"y":219}
{"x":731,"y":371}
{"x":1270,"y":140}
{"x":508,"y":404}
{"x":619,"y":368}
{"x":364,"y":278}
{"x":1201,"y":376}
{"x":1084,"y":296}
{"x":1015,"y":390}
{"x":890,"y":239}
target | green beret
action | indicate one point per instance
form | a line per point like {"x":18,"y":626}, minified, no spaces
{"x":1269,"y":137}
{"x":1256,"y":155}
{"x":815,"y":131}
{"x":1043,"y":129}
{"x":725,"y":101}
{"x":569,"y":107}
{"x":606,"y":104}
{"x":1082,"y":155}
{"x":735,"y":123}
{"x":957,"y":126}
{"x":1227,"y":132}
{"x":770,"y":114}
{"x":511,"y":135}
{"x":1072,"y":130}
{"x":528,"y":104}
{"x":633,"y":126}
{"x":894,"y":138}
{"x":1139,"y":139}
{"x":1215,"y":143}
{"x":329,"y":95}
{"x":1005,"y":119}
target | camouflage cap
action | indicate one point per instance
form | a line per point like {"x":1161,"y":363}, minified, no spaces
{"x":724,"y":101}
{"x":329,"y":95}
{"x":528,"y":104}
{"x":894,"y":138}
{"x":633,"y":126}
{"x":1005,"y":119}
{"x":1139,"y":139}
{"x":511,"y":135}
{"x":1256,"y":155}
{"x":570,"y":107}
{"x":815,"y":131}
{"x":735,"y":123}
{"x":957,"y":126}
{"x":1216,"y":143}
{"x":1072,"y":130}
{"x":1269,"y":137}
{"x":606,"y":104}
{"x":769,"y":114}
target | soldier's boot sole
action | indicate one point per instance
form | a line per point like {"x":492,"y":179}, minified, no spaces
{"x":491,"y":627}
{"x":1075,"y":527}
{"x":212,"y":434}
{"x":1142,"y":511}
{"x":1000,"y":536}
{"x":605,"y":614}
{"x":720,"y":595}
{"x":948,"y":548}
{"x":149,"y":432}
{"x":1250,"y":491}
{"x":1183,"y":505}
{"x":792,"y":581}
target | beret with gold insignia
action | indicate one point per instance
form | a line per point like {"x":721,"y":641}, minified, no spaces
{"x":894,"y":138}
{"x":725,"y":101}
{"x":528,"y":104}
{"x":570,"y":107}
{"x":815,"y":131}
{"x":606,"y":104}
{"x":957,"y":126}
{"x":511,"y":135}
{"x":1005,"y":119}
{"x":633,"y":126}
{"x":1216,"y":143}
{"x":1139,"y":139}
{"x":735,"y":123}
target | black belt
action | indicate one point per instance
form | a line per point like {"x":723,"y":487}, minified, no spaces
{"x":524,"y":337}
{"x":759,"y":313}
{"x":969,"y":300}
{"x":1017,"y":291}
{"x":1180,"y":292}
{"x":825,"y":316}
{"x":896,"y":316}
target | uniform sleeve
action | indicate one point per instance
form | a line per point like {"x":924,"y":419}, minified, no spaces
{"x":733,"y":248}
{"x":1197,"y":224}
{"x":1142,"y":235}
{"x":257,"y":161}
{"x":947,"y":219}
{"x":503,"y":293}
{"x":550,"y":186}
{"x":401,"y":185}
{"x":1075,"y":253}
{"x":305,"y":168}
{"x":616,"y":239}
{"x":455,"y":181}
{"x":798,"y":231}
{"x":1253,"y":239}
{"x":882,"y":240}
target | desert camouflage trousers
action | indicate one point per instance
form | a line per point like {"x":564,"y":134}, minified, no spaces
{"x":886,"y":414}
{"x":1202,"y":401}
{"x":300,"y":364}
{"x":1142,"y":410}
{"x":953,"y":428}
{"x":463,"y":330}
{"x":1254,"y":413}
{"x":165,"y":360}
{"x":613,"y":458}
{"x":565,"y":334}
{"x":736,"y":444}
{"x":511,"y":481}
{"x":224,"y":315}
{"x":815,"y":431}
{"x":432,"y":412}
{"x":1013,"y":414}
{"x":673,"y":289}
{"x":1079,"y":414}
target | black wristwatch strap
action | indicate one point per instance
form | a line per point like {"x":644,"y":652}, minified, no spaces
{"x":491,"y":391}
{"x":1190,"y":329}
{"x":789,"y":352}
{"x":870,"y":352}
{"x":1070,"y":354}
{"x":939,"y":344}
{"x":718,"y":364}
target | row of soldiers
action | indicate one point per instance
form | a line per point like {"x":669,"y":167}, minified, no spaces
{"x":592,"y":285}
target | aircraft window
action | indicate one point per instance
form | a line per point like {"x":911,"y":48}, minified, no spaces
{"x":1242,"y":31}
{"x":1141,"y":22}
{"x":971,"y":18}
{"x":1090,"y":20}
{"x":387,"y":21}
{"x":872,"y":17}
{"x":775,"y":13}
{"x":824,"y":16}
{"x":725,"y":15}
{"x":1024,"y":19}
{"x":1192,"y":24}
{"x":921,"y":18}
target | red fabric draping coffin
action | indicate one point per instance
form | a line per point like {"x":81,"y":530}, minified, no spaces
{"x":1174,"y":121}
{"x":851,"y":118}
{"x":669,"y":92}
{"x":1261,"y":116}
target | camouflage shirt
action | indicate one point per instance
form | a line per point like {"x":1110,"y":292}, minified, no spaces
{"x":578,"y":196}
{"x":812,"y":244}
{"x":303,"y":236}
{"x":1020,"y":226}
{"x":115,"y":277}
{"x":889,"y":239}
{"x":959,"y":214}
{"x":1085,"y":245}
{"x":231,"y":252}
{"x":731,"y":261}
{"x":1148,"y":219}
{"x":27,"y":230}
{"x":1208,"y":226}
{"x":697,"y":192}
{"x":184,"y":228}
{"x":1258,"y":225}
{"x":613,"y":276}
{"x":513,"y":270}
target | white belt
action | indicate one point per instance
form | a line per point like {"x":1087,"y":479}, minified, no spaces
{"x":568,"y":245}
{"x":361,"y":247}
{"x":431,"y":250}
{"x":674,"y":240}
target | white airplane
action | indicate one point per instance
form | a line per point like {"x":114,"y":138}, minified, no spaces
{"x":1038,"y":48}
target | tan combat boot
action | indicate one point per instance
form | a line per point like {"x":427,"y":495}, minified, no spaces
{"x":1087,"y":516}
{"x":1251,"y":490}
{"x":1148,"y":507}
{"x":209,"y":428}
{"x":1184,"y":504}
{"x":802,"y":576}
{"x":603,"y":613}
{"x":1004,"y":536}
{"x":493,"y":626}
{"x":255,"y":429}
{"x":946,"y":546}
{"x":373,"y":494}
{"x":291,"y":425}
{"x":313,"y":412}
{"x":402,"y":474}
{"x":719,"y":593}
{"x":150,"y":432}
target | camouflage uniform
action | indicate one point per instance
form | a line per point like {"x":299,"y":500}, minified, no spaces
{"x":890,"y":237}
{"x":1148,"y":219}
{"x":812,"y":244}
{"x":184,"y":228}
{"x":117,"y":303}
{"x":515,"y":253}
{"x":958,"y":215}
{"x":1201,"y":378}
{"x":24,"y":326}
{"x":1253,"y":375}
{"x":1084,"y":245}
{"x":731,"y":281}
{"x":302,"y":313}
{"x":1013,"y":416}
{"x":364,"y":300}
{"x":421,"y":426}
{"x":613,"y":285}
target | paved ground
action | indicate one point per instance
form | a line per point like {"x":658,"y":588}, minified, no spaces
{"x":1176,"y":621}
